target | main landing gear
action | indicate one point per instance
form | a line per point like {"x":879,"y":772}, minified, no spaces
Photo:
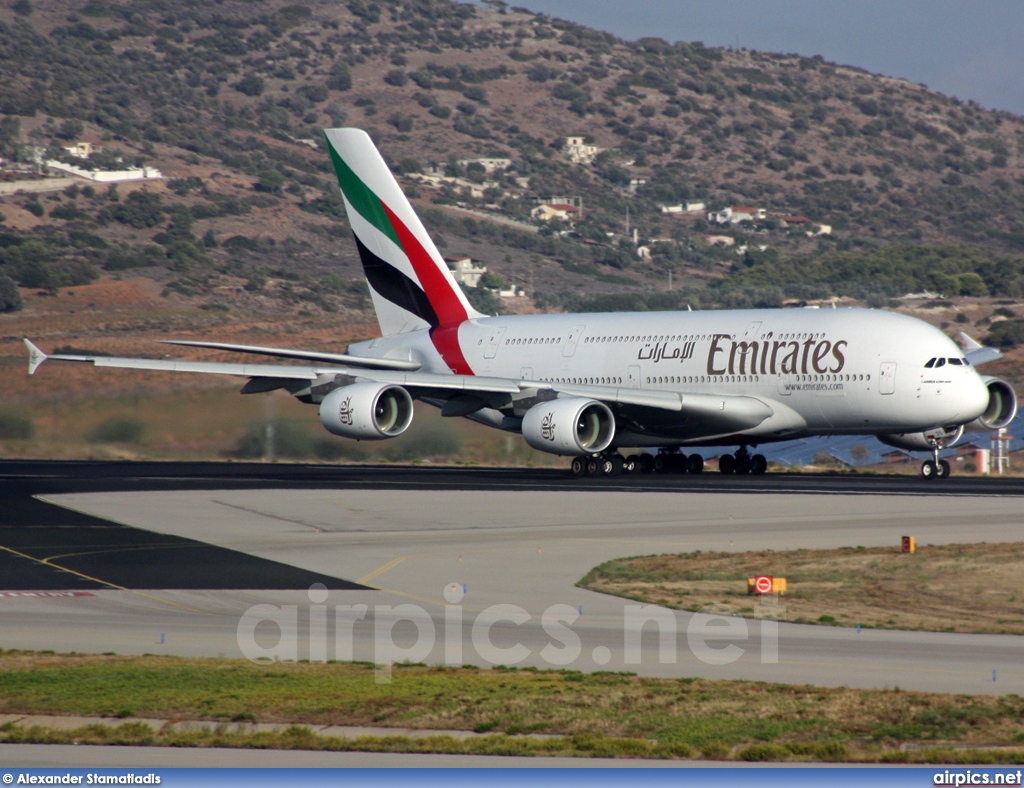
{"x":935,"y":468}
{"x":743,"y":462}
{"x":616,"y":464}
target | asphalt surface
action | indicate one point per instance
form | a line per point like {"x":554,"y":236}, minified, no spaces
{"x":175,"y":557}
{"x":178,"y":553}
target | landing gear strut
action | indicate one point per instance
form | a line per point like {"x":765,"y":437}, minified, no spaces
{"x":743,"y":462}
{"x":935,"y":468}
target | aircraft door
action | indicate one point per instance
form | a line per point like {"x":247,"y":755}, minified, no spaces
{"x":570,"y":344}
{"x":495,"y":340}
{"x":785,"y":384}
{"x":633,"y":377}
{"x":526,"y":373}
{"x":887,"y":377}
{"x":751,"y":332}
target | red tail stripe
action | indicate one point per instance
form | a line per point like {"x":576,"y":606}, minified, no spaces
{"x":439,"y":292}
{"x":446,"y":341}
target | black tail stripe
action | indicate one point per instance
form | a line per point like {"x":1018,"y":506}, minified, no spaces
{"x":396,"y":287}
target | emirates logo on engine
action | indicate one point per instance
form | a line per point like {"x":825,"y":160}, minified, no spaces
{"x":345,"y":411}
{"x":547,"y":427}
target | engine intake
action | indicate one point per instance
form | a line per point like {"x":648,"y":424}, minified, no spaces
{"x":367,"y":411}
{"x":570,"y":426}
{"x":1002,"y":405}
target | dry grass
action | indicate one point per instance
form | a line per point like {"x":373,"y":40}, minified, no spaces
{"x":949,"y":588}
{"x":611,"y":714}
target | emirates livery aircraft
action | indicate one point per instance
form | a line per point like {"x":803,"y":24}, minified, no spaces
{"x":589,"y":385}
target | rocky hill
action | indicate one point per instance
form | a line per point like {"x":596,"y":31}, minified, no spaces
{"x":228,"y":99}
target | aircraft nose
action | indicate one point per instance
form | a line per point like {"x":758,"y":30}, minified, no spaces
{"x":974,"y":398}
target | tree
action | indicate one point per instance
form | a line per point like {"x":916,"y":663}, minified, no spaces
{"x":140,"y":210}
{"x":251,"y":85}
{"x":270,"y":181}
{"x":341,"y":77}
{"x":10,"y":297}
{"x":70,"y":129}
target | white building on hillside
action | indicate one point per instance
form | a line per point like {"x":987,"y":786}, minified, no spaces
{"x":737,"y":214}
{"x":579,"y":151}
{"x":465,"y":271}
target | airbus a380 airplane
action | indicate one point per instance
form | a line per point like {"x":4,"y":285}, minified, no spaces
{"x":588,"y":385}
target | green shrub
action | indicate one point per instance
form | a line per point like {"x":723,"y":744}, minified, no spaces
{"x":117,"y":429}
{"x":291,"y":439}
{"x":764,"y":752}
{"x":430,"y":440}
{"x":16,"y":427}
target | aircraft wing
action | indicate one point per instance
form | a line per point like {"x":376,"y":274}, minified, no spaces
{"x":977,"y":353}
{"x":305,"y":355}
{"x":719,"y":413}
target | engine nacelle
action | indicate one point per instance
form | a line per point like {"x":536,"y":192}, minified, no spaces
{"x":570,"y":426}
{"x":922,"y":441}
{"x":1002,"y":406}
{"x":367,"y":411}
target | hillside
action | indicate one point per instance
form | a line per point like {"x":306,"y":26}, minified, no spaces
{"x":228,"y":100}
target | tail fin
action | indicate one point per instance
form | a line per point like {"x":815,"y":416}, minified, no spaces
{"x":409,"y":282}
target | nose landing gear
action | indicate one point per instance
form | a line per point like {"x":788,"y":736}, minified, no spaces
{"x":935,"y":468}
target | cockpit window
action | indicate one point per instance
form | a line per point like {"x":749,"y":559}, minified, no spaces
{"x":940,"y":363}
{"x":956,"y":362}
{"x":930,"y":364}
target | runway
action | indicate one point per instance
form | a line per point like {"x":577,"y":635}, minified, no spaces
{"x":451,"y":544}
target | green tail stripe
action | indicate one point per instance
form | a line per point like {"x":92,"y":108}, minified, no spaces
{"x":359,"y":195}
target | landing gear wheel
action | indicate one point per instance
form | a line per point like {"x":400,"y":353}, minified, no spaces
{"x":609,"y":466}
{"x":662,"y":463}
{"x":929,"y":470}
{"x":694,"y":464}
{"x":758,"y":464}
{"x":646,"y":463}
{"x":593,"y":466}
{"x":944,"y":469}
{"x":727,"y":464}
{"x":579,"y":466}
{"x":631,"y":464}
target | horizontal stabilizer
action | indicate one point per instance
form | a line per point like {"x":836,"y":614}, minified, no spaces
{"x":305,"y":355}
{"x":35,"y":357}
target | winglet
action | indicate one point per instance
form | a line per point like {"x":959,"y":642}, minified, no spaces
{"x":969,"y":342}
{"x":35,"y":357}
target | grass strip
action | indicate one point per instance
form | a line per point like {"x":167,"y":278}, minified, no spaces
{"x":973,"y":588}
{"x":598,"y":714}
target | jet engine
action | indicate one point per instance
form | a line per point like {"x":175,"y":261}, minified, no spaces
{"x":1002,"y":406}
{"x":367,"y":411}
{"x":570,"y":426}
{"x":922,"y":441}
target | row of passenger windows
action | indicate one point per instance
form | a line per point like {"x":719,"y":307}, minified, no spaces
{"x":749,"y":378}
{"x":693,"y":337}
{"x":604,"y":381}
{"x":534,"y":341}
{"x":941,"y":362}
